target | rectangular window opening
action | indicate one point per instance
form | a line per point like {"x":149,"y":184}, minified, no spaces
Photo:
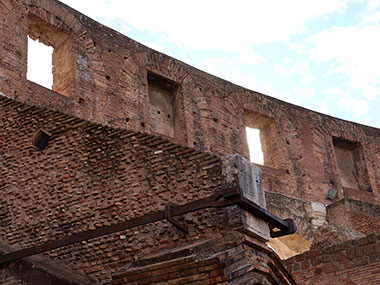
{"x":40,"y":67}
{"x":165,"y":116}
{"x":254,"y":145}
{"x":351,"y":164}
{"x":263,"y":140}
{"x":50,"y":57}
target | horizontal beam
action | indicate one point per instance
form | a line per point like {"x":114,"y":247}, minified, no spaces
{"x":219,"y":199}
{"x":262,"y":213}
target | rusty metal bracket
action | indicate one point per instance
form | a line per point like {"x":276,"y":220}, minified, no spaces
{"x":169,"y":217}
{"x":219,"y":199}
{"x":278,"y":227}
{"x":292,"y":228}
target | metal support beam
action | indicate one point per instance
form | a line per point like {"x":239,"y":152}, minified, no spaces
{"x":219,"y":199}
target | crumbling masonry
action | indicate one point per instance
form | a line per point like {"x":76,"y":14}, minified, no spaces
{"x":127,"y":131}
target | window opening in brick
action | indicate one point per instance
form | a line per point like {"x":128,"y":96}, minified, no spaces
{"x":351,"y":164}
{"x":40,"y":63}
{"x":45,"y":39}
{"x":164,"y":106}
{"x":254,"y":145}
{"x":263,"y":140}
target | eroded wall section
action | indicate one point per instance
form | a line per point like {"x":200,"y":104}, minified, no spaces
{"x":105,"y":77}
{"x":89,"y":176}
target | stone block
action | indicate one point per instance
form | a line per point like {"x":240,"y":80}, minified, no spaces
{"x":317,"y":213}
{"x":239,"y":172}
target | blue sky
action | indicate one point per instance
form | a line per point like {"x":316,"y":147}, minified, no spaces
{"x":322,"y":55}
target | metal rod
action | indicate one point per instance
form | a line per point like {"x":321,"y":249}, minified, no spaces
{"x":262,"y":213}
{"x":222,"y":198}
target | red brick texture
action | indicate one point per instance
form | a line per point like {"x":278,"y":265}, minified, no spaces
{"x":177,"y":271}
{"x":90,"y":176}
{"x":9,"y":279}
{"x":360,"y":216}
{"x":352,"y":262}
{"x":111,"y":88}
{"x":228,"y":259}
{"x":111,"y":156}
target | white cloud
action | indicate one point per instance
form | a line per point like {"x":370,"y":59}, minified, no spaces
{"x":364,"y":121}
{"x":226,"y":69}
{"x":304,"y":92}
{"x":355,"y":108}
{"x":322,"y":106}
{"x":215,"y":25}
{"x":300,"y":68}
{"x":298,"y":47}
{"x":354,"y":52}
{"x":335,"y":92}
{"x":250,"y":56}
{"x":358,"y":107}
{"x":371,"y":92}
{"x":215,"y":65}
{"x":371,"y":18}
{"x":373,"y":4}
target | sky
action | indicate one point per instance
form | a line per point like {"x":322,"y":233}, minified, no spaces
{"x":323,"y":55}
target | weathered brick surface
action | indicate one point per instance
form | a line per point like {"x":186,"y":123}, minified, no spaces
{"x":37,"y":270}
{"x":105,"y":163}
{"x":90,"y":176}
{"x":352,"y":262}
{"x":178,"y":271}
{"x":344,"y":220}
{"x":9,"y":279}
{"x":228,"y":259}
{"x":358,"y":215}
{"x":111,"y":88}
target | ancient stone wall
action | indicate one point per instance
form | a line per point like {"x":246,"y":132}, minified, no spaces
{"x":61,"y":175}
{"x":352,"y":262}
{"x":8,"y":279}
{"x":321,"y":225}
{"x":231,"y":259}
{"x":126,"y":129}
{"x":357,"y":215}
{"x":116,"y":82}
{"x":89,"y":176}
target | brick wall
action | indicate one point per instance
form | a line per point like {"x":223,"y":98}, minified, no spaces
{"x":112,"y":166}
{"x":111,"y":87}
{"x":352,"y":262}
{"x":231,"y":258}
{"x":177,"y":271}
{"x":360,"y":216}
{"x":90,"y":176}
{"x":9,"y":279}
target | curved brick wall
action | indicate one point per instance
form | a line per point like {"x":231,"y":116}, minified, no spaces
{"x":111,"y":87}
{"x":131,"y":129}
